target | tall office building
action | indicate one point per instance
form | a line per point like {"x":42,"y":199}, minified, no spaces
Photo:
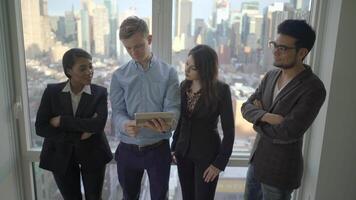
{"x":32,"y":30}
{"x":111,"y":6}
{"x":222,"y":11}
{"x":199,"y":31}
{"x":36,"y":27}
{"x":83,"y":25}
{"x":183,"y":17}
{"x":43,"y":7}
{"x":70,"y":26}
{"x":101,"y":30}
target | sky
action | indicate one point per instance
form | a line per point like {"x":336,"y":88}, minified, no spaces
{"x":201,"y":8}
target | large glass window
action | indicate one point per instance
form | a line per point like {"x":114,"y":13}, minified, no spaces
{"x":239,"y":31}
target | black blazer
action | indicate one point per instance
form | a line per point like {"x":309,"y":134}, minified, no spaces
{"x":197,"y":137}
{"x":63,"y":142}
{"x":277,"y":152}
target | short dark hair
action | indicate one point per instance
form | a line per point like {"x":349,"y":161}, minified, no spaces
{"x":300,"y":30}
{"x":132,"y":25}
{"x":206,"y":61}
{"x":70,"y":57}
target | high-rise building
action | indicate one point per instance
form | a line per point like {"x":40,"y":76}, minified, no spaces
{"x":36,"y":27}
{"x":83,"y":25}
{"x":183,"y":17}
{"x":245,"y":29}
{"x":199,"y":31}
{"x":101,"y":30}
{"x":222,"y":11}
{"x":44,"y":7}
{"x":70,"y":27}
{"x":111,"y":6}
{"x":251,"y":23}
{"x":31,"y":20}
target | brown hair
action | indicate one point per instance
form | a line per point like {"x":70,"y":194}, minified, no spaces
{"x":132,"y":25}
{"x":206,"y":61}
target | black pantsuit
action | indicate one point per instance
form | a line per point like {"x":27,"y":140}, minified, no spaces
{"x":69,"y":183}
{"x":197,"y":144}
{"x":63,"y":152}
{"x":189,"y":170}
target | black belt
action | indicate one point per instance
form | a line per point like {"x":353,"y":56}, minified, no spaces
{"x":136,"y":147}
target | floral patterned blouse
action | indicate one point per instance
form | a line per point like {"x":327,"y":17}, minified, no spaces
{"x":192,"y":99}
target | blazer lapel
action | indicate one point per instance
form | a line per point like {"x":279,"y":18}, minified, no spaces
{"x":184,"y":102}
{"x":270,"y":90}
{"x":66,"y":103}
{"x":84,"y":100}
{"x":291,"y":85}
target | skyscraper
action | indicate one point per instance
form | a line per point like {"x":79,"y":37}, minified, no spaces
{"x":111,"y":6}
{"x":222,"y":11}
{"x":183,"y":17}
{"x":101,"y":30}
{"x":32,"y":32}
{"x":70,"y":26}
{"x":84,"y":30}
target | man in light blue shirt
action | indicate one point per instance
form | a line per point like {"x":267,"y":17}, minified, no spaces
{"x":144,"y":84}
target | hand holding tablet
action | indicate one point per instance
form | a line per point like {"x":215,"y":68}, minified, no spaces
{"x":158,"y":121}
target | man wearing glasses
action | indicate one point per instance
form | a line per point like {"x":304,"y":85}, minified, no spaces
{"x":282,"y":108}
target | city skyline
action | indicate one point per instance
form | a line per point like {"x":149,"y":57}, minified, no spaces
{"x":202,"y":7}
{"x":239,"y":37}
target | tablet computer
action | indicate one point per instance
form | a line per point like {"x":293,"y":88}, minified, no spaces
{"x":142,"y":117}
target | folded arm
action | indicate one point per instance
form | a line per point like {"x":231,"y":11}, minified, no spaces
{"x":250,"y":111}
{"x":295,"y":123}
{"x":44,"y":114}
{"x":93,"y":124}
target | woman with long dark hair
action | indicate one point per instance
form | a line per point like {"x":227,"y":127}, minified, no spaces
{"x":197,"y":149}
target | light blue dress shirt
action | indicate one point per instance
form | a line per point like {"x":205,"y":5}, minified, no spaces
{"x":134,"y":89}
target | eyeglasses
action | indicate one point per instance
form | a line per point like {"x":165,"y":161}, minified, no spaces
{"x":279,"y":47}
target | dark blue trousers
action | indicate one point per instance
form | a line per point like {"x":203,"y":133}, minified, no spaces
{"x":131,"y":163}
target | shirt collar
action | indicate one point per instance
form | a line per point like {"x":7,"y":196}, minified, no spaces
{"x":150,"y":62}
{"x":67,"y":88}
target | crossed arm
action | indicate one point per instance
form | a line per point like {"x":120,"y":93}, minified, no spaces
{"x":50,"y":126}
{"x":284,"y":129}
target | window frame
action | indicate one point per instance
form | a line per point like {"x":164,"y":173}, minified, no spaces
{"x":162,"y":11}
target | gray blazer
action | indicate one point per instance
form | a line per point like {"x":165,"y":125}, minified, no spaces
{"x":277,"y":152}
